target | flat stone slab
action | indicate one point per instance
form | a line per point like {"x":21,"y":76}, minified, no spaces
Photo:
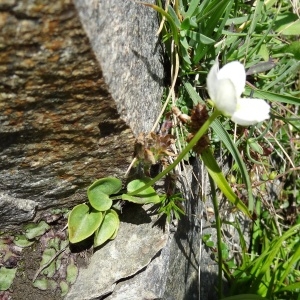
{"x":137,"y":243}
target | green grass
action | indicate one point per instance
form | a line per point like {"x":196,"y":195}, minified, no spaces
{"x":264,"y":36}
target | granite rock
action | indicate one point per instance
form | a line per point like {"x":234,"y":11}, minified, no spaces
{"x":63,"y":123}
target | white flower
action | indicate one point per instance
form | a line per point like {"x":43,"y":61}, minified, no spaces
{"x":225,"y":87}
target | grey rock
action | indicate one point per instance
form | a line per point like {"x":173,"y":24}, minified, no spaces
{"x":67,"y":101}
{"x":123,"y":36}
{"x":21,"y":209}
{"x":164,"y":263}
{"x":138,"y":241}
{"x":149,"y":283}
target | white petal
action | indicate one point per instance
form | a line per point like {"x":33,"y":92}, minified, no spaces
{"x":234,"y":71}
{"x":226,"y":100}
{"x":251,"y":111}
{"x":212,"y":81}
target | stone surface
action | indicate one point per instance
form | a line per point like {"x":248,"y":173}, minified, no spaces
{"x":62,"y":125}
{"x":123,"y":36}
{"x":149,"y":283}
{"x":138,"y":241}
{"x":147,"y":260}
{"x":25,"y":208}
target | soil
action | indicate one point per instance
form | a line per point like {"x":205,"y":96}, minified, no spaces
{"x":28,"y":263}
{"x":22,"y":287}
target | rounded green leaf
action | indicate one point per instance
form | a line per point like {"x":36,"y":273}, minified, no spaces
{"x":64,"y":287}
{"x":99,"y":200}
{"x":139,"y":199}
{"x":255,"y":146}
{"x":45,"y":284}
{"x":48,"y":254}
{"x":98,"y":193}
{"x":72,"y":272}
{"x":7,"y":276}
{"x":148,"y":195}
{"x":108,"y":228}
{"x":22,"y":241}
{"x":116,"y":231}
{"x":83,"y":222}
{"x":137,"y":184}
{"x":108,"y":185}
{"x":33,"y":230}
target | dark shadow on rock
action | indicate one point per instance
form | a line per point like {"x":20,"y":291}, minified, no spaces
{"x":208,"y":286}
{"x":182,"y":236}
{"x":85,"y":245}
{"x":161,"y":223}
{"x":20,"y":137}
{"x":151,"y":72}
{"x":134,"y":214}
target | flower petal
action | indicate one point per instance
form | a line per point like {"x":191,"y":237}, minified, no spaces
{"x":234,"y":71}
{"x":226,"y":100}
{"x":251,"y":111}
{"x":212,"y":81}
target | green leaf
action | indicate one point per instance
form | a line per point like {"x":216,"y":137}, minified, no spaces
{"x":116,"y":232}
{"x":198,"y":37}
{"x":148,"y":195}
{"x":183,"y":42}
{"x":107,"y":229}
{"x":210,"y":244}
{"x":7,"y":276}
{"x":83,"y":222}
{"x":64,"y":288}
{"x":98,"y":193}
{"x":293,"y":287}
{"x":107,"y":185}
{"x":45,"y":284}
{"x":185,"y":25}
{"x":287,"y":24}
{"x":192,"y":7}
{"x":293,"y":48}
{"x":99,"y":200}
{"x":184,"y":52}
{"x":272,"y":96}
{"x":22,"y":241}
{"x":72,"y":272}
{"x":255,"y":146}
{"x":33,"y":230}
{"x":48,"y":254}
{"x":263,"y":264}
{"x":264,"y":52}
{"x":173,"y":15}
{"x":206,"y":237}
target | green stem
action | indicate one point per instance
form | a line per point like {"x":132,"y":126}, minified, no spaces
{"x":181,"y":155}
{"x":169,"y":19}
{"x":219,"y":243}
{"x":176,"y":8}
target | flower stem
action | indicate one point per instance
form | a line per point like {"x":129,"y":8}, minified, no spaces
{"x":219,"y":242}
{"x":181,"y":155}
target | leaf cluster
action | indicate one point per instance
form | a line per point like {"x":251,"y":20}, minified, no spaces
{"x":98,"y":216}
